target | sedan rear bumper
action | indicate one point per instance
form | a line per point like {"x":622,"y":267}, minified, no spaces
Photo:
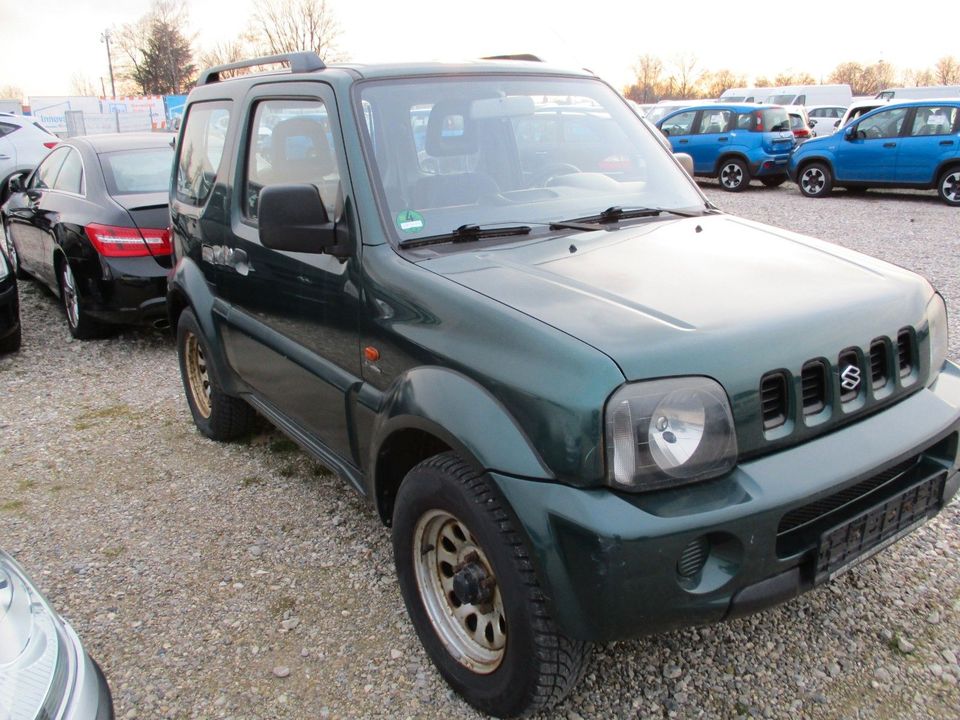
{"x":127,"y":291}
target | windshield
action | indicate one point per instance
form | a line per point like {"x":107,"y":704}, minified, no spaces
{"x":781,"y":99}
{"x":507,"y":150}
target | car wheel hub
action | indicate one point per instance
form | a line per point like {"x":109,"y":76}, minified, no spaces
{"x":459,"y":592}
{"x":732,"y":176}
{"x":70,"y":301}
{"x":812,"y":181}
{"x":951,"y":187}
{"x":197,"y":375}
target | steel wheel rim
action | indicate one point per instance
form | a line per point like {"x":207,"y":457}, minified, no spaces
{"x":475,"y":634}
{"x":731,"y":176}
{"x":197,"y":377}
{"x":951,"y":187}
{"x":812,"y":181}
{"x":70,"y":300}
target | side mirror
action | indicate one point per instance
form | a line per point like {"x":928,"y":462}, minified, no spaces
{"x":686,"y":161}
{"x":850,"y":133}
{"x":813,"y":123}
{"x":665,"y":131}
{"x":292,"y":217}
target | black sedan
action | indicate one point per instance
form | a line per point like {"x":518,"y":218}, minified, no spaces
{"x":91,"y":222}
{"x":9,"y":307}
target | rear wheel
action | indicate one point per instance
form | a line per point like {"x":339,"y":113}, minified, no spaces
{"x":774,"y":181}
{"x":734,"y":175}
{"x":18,"y":272}
{"x":81,"y":325}
{"x":11,"y":343}
{"x":948,"y":186}
{"x":816,"y":180}
{"x":470,"y":588}
{"x":217,"y":415}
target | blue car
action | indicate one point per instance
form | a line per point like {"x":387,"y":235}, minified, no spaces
{"x":906,"y":145}
{"x":733,"y":143}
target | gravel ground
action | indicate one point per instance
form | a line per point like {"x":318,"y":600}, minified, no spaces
{"x":245,"y":581}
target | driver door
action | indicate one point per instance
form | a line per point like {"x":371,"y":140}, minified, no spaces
{"x":869,"y":152}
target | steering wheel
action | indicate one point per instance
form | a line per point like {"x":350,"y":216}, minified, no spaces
{"x":545,"y":174}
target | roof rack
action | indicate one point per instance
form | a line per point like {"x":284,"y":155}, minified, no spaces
{"x":298,"y":62}
{"x":520,"y":56}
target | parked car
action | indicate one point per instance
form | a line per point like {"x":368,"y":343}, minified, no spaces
{"x":590,"y":406}
{"x":926,"y":92}
{"x":91,"y":223}
{"x":744,"y":94}
{"x":824,"y":118}
{"x":665,"y":107}
{"x":23,"y":143}
{"x":733,"y":143}
{"x":45,"y":673}
{"x":799,"y":123}
{"x":909,"y":145}
{"x":9,"y":306}
{"x":809,"y":95}
{"x":858,"y":108}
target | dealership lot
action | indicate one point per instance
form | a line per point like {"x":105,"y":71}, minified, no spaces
{"x":245,"y":581}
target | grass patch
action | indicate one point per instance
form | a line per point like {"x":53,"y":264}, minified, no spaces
{"x":12,"y":506}
{"x":250,"y":480}
{"x":112,"y":553}
{"x":282,"y":604}
{"x":287,"y":471}
{"x":26,"y":484}
{"x":56,"y":488}
{"x":283,"y":445}
{"x":93,"y":418}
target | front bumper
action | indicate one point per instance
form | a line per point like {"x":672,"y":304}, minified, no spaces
{"x":610,"y":563}
{"x":90,"y":697}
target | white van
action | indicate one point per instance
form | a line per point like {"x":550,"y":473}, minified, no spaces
{"x":858,"y":108}
{"x":809,"y":95}
{"x":744,"y":94}
{"x":920,"y":93}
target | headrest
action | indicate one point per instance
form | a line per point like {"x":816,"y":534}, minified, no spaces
{"x":450,"y":130}
{"x":318,"y":149}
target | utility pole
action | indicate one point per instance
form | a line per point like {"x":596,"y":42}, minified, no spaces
{"x":105,"y":38}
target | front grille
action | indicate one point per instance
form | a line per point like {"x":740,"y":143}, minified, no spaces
{"x":794,"y":527}
{"x":773,"y":400}
{"x":813,"y":383}
{"x":878,"y":363}
{"x":905,"y":352}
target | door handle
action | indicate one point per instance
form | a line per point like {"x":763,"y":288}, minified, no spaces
{"x":237,"y":259}
{"x":889,"y":144}
{"x":946,"y":142}
{"x":4,"y":157}
{"x":683,"y":142}
{"x":722,"y":139}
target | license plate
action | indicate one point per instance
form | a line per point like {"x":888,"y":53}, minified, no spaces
{"x":871,"y":531}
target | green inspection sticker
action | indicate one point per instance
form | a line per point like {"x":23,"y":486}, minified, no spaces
{"x":409,"y":221}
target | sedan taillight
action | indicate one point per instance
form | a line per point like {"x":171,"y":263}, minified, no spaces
{"x":51,"y":144}
{"x":111,"y":241}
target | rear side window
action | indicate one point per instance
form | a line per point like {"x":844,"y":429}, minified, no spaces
{"x":129,"y":172}
{"x":934,"y":120}
{"x":291,"y":142}
{"x":714,"y":121}
{"x":773,"y":120}
{"x":7,"y":128}
{"x":70,"y":178}
{"x":46,"y":173}
{"x":201,"y":149}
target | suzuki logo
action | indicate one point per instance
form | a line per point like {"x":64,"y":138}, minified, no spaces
{"x":850,"y":378}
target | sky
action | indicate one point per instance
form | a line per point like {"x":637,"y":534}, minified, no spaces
{"x":46,"y":44}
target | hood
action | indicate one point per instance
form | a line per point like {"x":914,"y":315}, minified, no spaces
{"x":717,"y":296}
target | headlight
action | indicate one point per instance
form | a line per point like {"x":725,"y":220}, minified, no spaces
{"x":34,"y":659}
{"x":938,"y":340}
{"x":663,"y":433}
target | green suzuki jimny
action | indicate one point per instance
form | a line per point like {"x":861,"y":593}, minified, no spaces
{"x":589,"y":404}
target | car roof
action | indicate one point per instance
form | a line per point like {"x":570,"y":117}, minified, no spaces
{"x":111,"y":142}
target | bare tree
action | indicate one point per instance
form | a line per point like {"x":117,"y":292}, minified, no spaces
{"x":791,"y":77}
{"x":282,"y":26}
{"x":80,"y":84}
{"x":714,"y":83}
{"x":11,"y":92}
{"x":685,"y":76}
{"x":649,"y":72}
{"x":918,"y":78}
{"x":242,"y":48}
{"x":947,"y":71}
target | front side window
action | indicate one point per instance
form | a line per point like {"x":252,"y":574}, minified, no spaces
{"x":679,"y":124}
{"x":884,"y":124}
{"x":715,"y":121}
{"x":46,"y":173}
{"x":70,"y":178}
{"x":290,"y":141}
{"x":934,"y":120}
{"x":489,"y":150}
{"x":201,"y":148}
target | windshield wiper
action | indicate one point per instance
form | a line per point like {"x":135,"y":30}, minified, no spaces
{"x":468,"y":233}
{"x":616,"y":214}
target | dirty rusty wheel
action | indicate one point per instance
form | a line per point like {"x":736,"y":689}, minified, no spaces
{"x":217,"y":415}
{"x":471,"y":590}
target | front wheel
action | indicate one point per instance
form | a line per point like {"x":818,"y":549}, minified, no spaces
{"x":734,"y":175}
{"x":816,"y":180}
{"x":217,"y":415}
{"x":948,"y":187}
{"x":469,"y":585}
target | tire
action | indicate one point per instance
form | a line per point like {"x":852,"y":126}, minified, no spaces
{"x":774,"y":181}
{"x":815,"y":180}
{"x":79,"y":322}
{"x":948,"y":186}
{"x":217,"y":415}
{"x":11,"y":343}
{"x":18,"y":272}
{"x":446,"y":508}
{"x":734,"y":175}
